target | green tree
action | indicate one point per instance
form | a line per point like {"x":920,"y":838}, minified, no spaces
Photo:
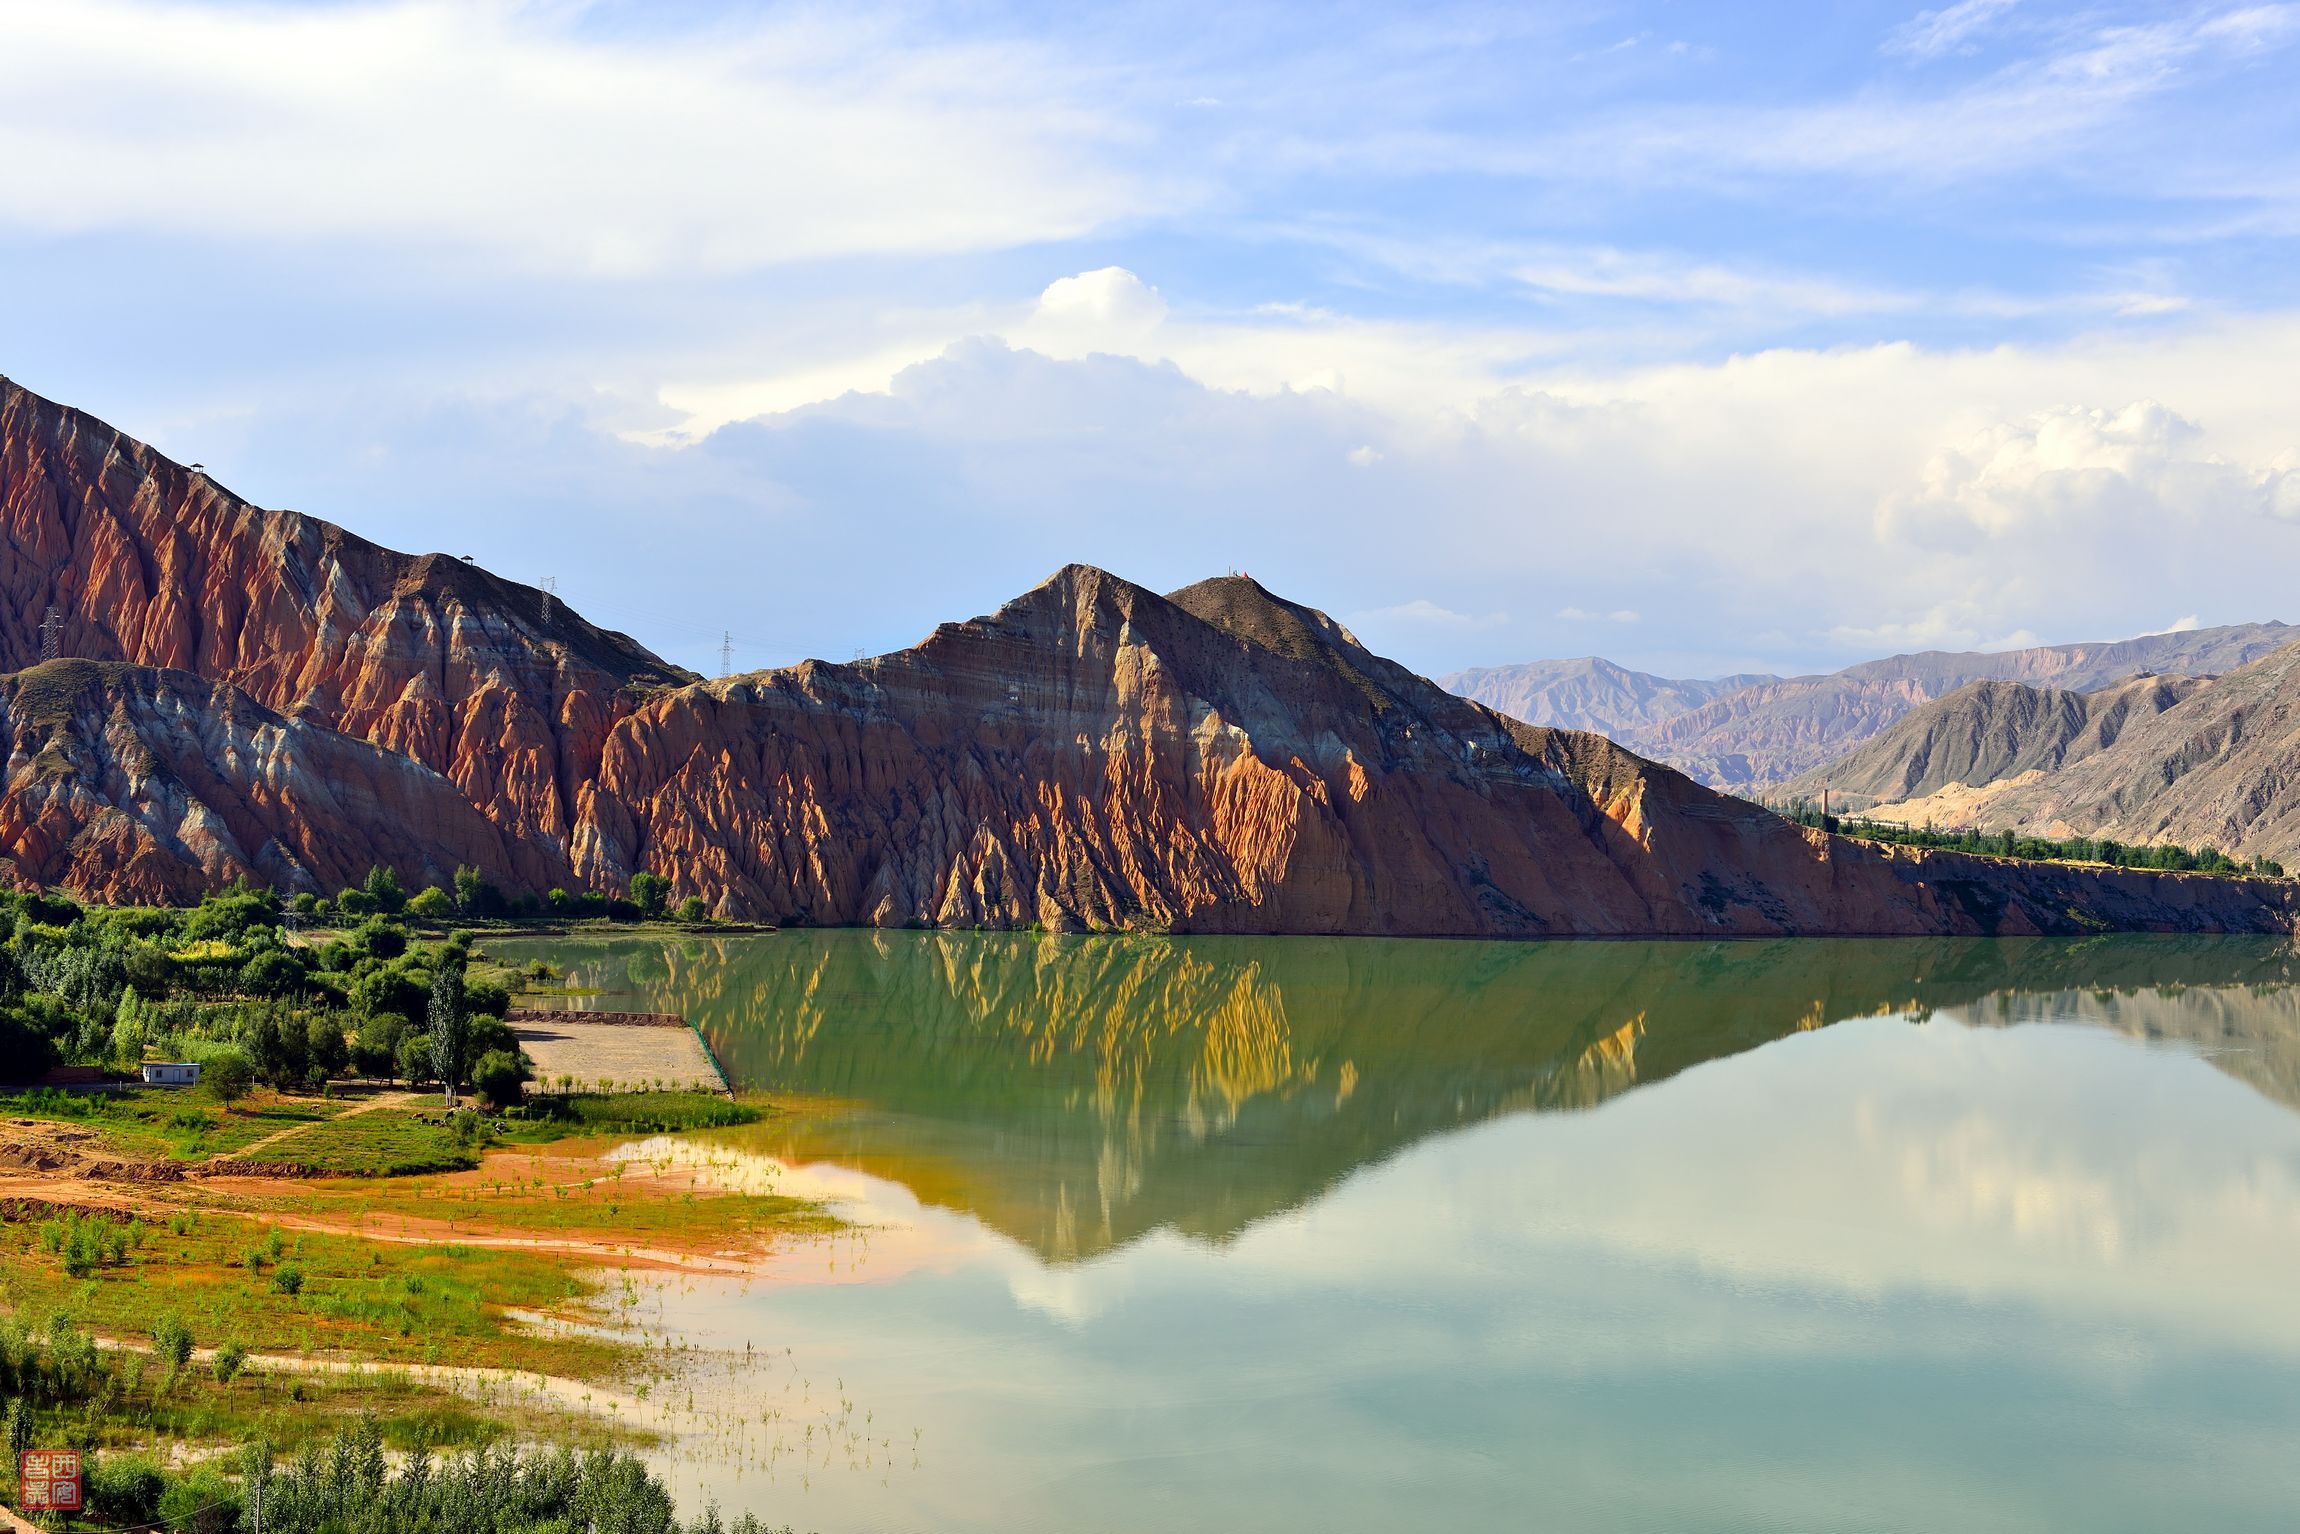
{"x":692,"y":909}
{"x":229,"y":1073}
{"x":475,"y":894}
{"x":382,"y":886}
{"x":499,"y":1077}
{"x":431,"y":904}
{"x":413,"y":1059}
{"x":651,"y":893}
{"x":450,"y":1028}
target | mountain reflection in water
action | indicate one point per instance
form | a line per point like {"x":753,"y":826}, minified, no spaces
{"x":1078,"y":1093}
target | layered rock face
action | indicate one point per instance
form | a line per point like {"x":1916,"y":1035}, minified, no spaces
{"x":1094,"y":756}
{"x":292,"y":703}
{"x":1987,"y":733}
{"x":1755,"y":734}
{"x":140,"y":785}
{"x":496,"y":686}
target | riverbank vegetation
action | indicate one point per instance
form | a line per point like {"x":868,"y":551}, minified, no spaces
{"x":2166,"y":856}
{"x":325,"y":1230}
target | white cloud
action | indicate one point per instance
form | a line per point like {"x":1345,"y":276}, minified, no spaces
{"x":2016,"y":117}
{"x":1363,"y":456}
{"x":2078,"y":471}
{"x":1105,"y":310}
{"x":1583,"y":615}
{"x":1951,"y":29}
{"x":1658,"y":278}
{"x":498,"y":130}
{"x":1424,"y":612}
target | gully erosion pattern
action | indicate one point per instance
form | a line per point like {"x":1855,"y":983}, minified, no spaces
{"x":1078,"y":1093}
{"x":1093,"y":756}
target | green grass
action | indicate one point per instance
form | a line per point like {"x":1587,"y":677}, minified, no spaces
{"x":554,"y":1116}
{"x":170,"y":1123}
{"x":221,"y":1275}
{"x":387,"y":1142}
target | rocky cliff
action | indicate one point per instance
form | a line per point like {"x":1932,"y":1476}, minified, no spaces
{"x":290,"y":702}
{"x":1756,"y":736}
{"x":1094,"y":756}
{"x":1986,"y":733}
{"x":2218,"y":769}
{"x":1591,"y":693}
{"x":493,"y":685}
{"x":142,"y":785}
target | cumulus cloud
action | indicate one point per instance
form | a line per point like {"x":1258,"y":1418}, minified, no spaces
{"x":1106,"y":310}
{"x":2081,"y":471}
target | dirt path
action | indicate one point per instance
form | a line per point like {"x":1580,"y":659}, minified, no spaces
{"x":369,"y":1105}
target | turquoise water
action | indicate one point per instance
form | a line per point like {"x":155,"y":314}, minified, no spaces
{"x":1301,"y":1234}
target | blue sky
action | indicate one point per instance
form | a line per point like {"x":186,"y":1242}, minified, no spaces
{"x":1705,"y":337}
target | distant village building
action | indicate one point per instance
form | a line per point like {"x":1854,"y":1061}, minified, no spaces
{"x":170,"y":1073}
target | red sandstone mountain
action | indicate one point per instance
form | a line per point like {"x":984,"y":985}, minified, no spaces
{"x":1096,"y":756}
{"x":136,"y":784}
{"x":494,"y":685}
{"x":1093,"y":756}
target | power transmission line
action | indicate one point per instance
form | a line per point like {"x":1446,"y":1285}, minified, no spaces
{"x":52,"y":634}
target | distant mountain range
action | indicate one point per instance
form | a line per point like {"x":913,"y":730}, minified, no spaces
{"x":195,"y":689}
{"x":2158,"y":760}
{"x":1755,"y":734}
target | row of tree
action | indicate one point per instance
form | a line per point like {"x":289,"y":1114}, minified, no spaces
{"x":2009,"y":843}
{"x":471,"y":894}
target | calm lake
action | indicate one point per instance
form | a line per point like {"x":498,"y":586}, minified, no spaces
{"x":1343,"y":1235}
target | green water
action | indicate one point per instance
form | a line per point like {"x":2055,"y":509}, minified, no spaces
{"x":1306,"y":1234}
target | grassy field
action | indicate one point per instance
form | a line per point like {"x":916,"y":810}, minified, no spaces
{"x":233,"y":1277}
{"x":172,"y":1123}
{"x":326,"y":1135}
{"x":384,"y":1142}
{"x":370,"y":1267}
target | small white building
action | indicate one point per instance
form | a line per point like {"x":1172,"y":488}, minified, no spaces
{"x":170,"y":1073}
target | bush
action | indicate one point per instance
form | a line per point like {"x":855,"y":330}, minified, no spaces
{"x":287,"y":1278}
{"x":692,"y":909}
{"x":381,"y":939}
{"x":201,"y":1502}
{"x":499,"y":1077}
{"x":125,"y":1489}
{"x":229,"y":1360}
{"x":486,"y":998}
{"x":431,"y":904}
{"x":172,"y":1346}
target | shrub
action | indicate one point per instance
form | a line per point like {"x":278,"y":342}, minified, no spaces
{"x":486,"y":998}
{"x":431,"y":904}
{"x":499,"y":1077}
{"x":229,"y":1360}
{"x":172,"y":1345}
{"x":287,"y":1278}
{"x":125,"y":1489}
{"x":692,"y":909}
{"x":381,"y":939}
